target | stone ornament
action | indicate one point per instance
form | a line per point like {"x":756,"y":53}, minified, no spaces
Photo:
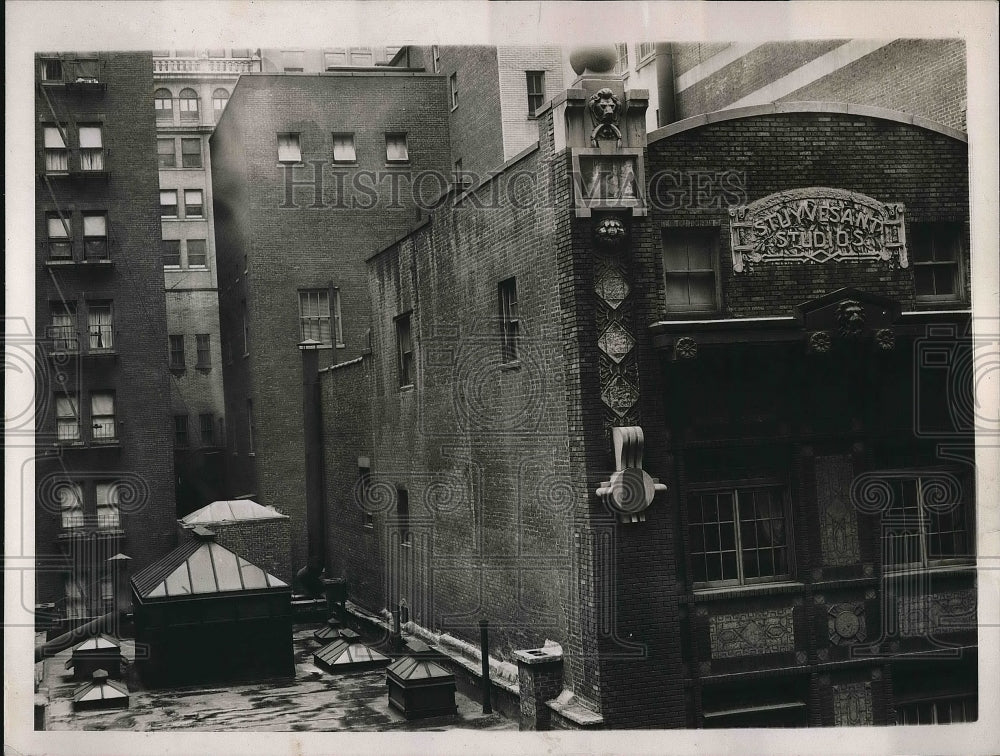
{"x":686,"y":348}
{"x":846,"y":624}
{"x":610,"y":232}
{"x":852,"y":704}
{"x":885,"y":339}
{"x":850,"y":319}
{"x":631,"y":489}
{"x":605,"y":111}
{"x":752,"y":633}
{"x":612,"y":287}
{"x":616,"y":342}
{"x":619,"y":395}
{"x":820,"y":342}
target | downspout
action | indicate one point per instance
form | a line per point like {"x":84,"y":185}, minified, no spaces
{"x":667,"y":108}
{"x":309,"y":576}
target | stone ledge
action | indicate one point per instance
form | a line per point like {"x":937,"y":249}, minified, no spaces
{"x":572,"y":708}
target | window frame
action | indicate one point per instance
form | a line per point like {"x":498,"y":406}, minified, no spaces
{"x":163,"y":106}
{"x":539,"y":94}
{"x":176,"y":359}
{"x":436,"y":58}
{"x":405,"y":351}
{"x":161,"y":156}
{"x":55,"y":151}
{"x":644,"y":51}
{"x":184,"y":100}
{"x":93,"y":241}
{"x":509,"y":320}
{"x":77,"y":513}
{"x":63,"y":328}
{"x":203,"y":350}
{"x":185,"y":155}
{"x":169,"y":255}
{"x":198,"y":210}
{"x":711,"y":234}
{"x":216,"y":108}
{"x":311,"y":326}
{"x":102,"y":332}
{"x":932,"y":232}
{"x":111,"y":502}
{"x":453,"y":90}
{"x":206,"y":420}
{"x":289,"y":148}
{"x":182,"y":433}
{"x":72,"y":401}
{"x":344,"y":135}
{"x":165,"y":206}
{"x":403,"y":516}
{"x":251,"y":429}
{"x":621,"y":58}
{"x":734,"y":487}
{"x":300,"y":60}
{"x":390,"y":139}
{"x":65,"y":223}
{"x":94,"y":155}
{"x":108,"y":419}
{"x":44,"y":71}
{"x":204,"y":254}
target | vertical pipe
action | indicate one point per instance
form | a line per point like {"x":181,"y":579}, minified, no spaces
{"x":667,"y":106}
{"x":484,"y":647}
{"x":313,"y":429}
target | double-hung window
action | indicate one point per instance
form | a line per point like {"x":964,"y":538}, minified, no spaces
{"x":187,"y":102}
{"x":63,"y":331}
{"x":163,"y":105}
{"x":936,"y":249}
{"x":102,"y":415}
{"x":197,"y":250}
{"x":509,"y":322}
{"x":206,"y":428}
{"x":181,"y":430}
{"x":219,"y":99}
{"x":621,"y":58}
{"x":536,"y":90}
{"x":91,"y":147}
{"x":203,"y":345}
{"x":689,"y":268}
{"x":67,"y":418}
{"x":739,"y":535}
{"x":56,"y":152}
{"x":191,"y":153}
{"x":289,"y":150}
{"x":165,"y":153}
{"x":171,"y":253}
{"x":176,"y":351}
{"x":95,"y":236}
{"x":168,"y":203}
{"x":51,"y":69}
{"x":396,"y":150}
{"x":343,"y":148}
{"x":108,"y":517}
{"x":100,"y":326}
{"x":404,"y":351}
{"x":60,"y":236}
{"x":70,"y":505}
{"x":453,"y":89}
{"x":193,"y":207}
{"x":925,"y":524}
{"x":319,"y":320}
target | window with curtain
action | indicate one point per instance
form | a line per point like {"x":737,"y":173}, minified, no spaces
{"x":91,"y":147}
{"x":108,"y":517}
{"x":70,"y":498}
{"x":67,"y":418}
{"x":100,"y":326}
{"x":289,"y":150}
{"x":60,"y":237}
{"x":102,"y":415}
{"x":95,"y":236}
{"x":396,"y":150}
{"x":56,"y":154}
{"x":343,"y":148}
{"x":63,"y":330}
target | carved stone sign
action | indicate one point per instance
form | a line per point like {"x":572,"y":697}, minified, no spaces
{"x":816,"y":225}
{"x":752,"y":633}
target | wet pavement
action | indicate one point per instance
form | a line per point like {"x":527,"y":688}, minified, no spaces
{"x":315,"y":700}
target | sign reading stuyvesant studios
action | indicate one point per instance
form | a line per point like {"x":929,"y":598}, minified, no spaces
{"x":816,"y":225}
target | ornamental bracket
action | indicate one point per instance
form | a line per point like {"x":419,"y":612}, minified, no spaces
{"x":631,"y":489}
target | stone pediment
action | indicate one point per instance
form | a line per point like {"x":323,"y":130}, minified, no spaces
{"x":830,"y":311}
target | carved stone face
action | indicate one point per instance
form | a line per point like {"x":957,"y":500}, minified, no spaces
{"x":610,"y":231}
{"x":851,"y":318}
{"x":604,"y":106}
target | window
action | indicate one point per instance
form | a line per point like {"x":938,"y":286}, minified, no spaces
{"x":335,"y":58}
{"x":292,"y":61}
{"x":60,"y":237}
{"x":87,"y":69}
{"x":100,"y":326}
{"x":63,"y":330}
{"x":187,"y":53}
{"x":67,"y":418}
{"x":197,"y":253}
{"x":171,"y":253}
{"x":315,"y":316}
{"x":508,"y":319}
{"x":403,"y":515}
{"x":645,"y":50}
{"x":937,"y":253}
{"x":219,"y":99}
{"x":738,"y":535}
{"x":251,"y":428}
{"x":203,"y":345}
{"x":191,"y":153}
{"x":102,"y":415}
{"x":206,"y":427}
{"x":107,"y":506}
{"x":95,"y":236}
{"x":404,"y":351}
{"x":168,"y":203}
{"x":453,"y":88}
{"x":536,"y":90}
{"x":689,"y":259}
{"x":343,"y":148}
{"x":288,"y":148}
{"x":51,"y":69}
{"x":241,"y":52}
{"x":941,"y":711}
{"x":220,"y":53}
{"x":192,"y":203}
{"x":176,"y":351}
{"x":70,"y":505}
{"x":187,"y":102}
{"x":163,"y":104}
{"x":775,"y":702}
{"x":921,"y":528}
{"x":395,"y":148}
{"x":56,"y":154}
{"x":362,"y":56}
{"x":180,"y":430}
{"x":436,"y":58}
{"x":246,"y":328}
{"x":91,"y":148}
{"x":621,"y":62}
{"x":166,"y":154}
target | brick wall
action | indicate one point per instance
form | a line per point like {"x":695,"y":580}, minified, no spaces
{"x":519,"y":129}
{"x":261,"y":542}
{"x":143,"y":457}
{"x":309,"y":246}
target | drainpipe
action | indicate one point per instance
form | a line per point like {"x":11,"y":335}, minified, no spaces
{"x":665,"y":84}
{"x":309,"y":576}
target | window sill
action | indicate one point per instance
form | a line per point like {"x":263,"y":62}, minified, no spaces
{"x":512,"y":365}
{"x":407,"y":388}
{"x":345,"y":163}
{"x":177,"y":370}
{"x":746,"y":591}
{"x":203,"y":368}
{"x":938,"y":569}
{"x":397,"y":163}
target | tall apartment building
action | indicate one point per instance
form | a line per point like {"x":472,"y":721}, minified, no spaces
{"x":191,"y":91}
{"x":311,"y":174}
{"x":105,"y":463}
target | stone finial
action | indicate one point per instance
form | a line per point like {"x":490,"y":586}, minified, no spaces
{"x":598,"y":59}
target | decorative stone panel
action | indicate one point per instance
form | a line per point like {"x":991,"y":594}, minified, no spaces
{"x":846,"y":624}
{"x":838,"y":522}
{"x":852,"y":704}
{"x":752,"y":633}
{"x":928,"y":615}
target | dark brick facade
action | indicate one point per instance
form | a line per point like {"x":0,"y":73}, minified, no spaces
{"x":262,"y":542}
{"x":138,"y":453}
{"x":269,"y":248}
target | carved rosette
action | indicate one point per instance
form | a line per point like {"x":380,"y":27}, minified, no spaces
{"x":885,"y":339}
{"x":686,"y":348}
{"x":846,"y":624}
{"x":820,"y":342}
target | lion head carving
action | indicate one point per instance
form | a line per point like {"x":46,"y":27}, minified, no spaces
{"x":851,"y":318}
{"x":605,"y":110}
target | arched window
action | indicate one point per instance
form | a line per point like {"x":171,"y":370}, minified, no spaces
{"x":188,"y":100}
{"x":219,"y":99}
{"x":163,"y":103}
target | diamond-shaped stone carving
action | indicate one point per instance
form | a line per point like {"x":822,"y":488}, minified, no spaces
{"x":612,"y":287}
{"x":620,"y":395}
{"x":616,"y":342}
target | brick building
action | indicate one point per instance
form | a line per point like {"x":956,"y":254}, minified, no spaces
{"x":311,"y":174}
{"x":692,"y":406}
{"x":105,"y":466}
